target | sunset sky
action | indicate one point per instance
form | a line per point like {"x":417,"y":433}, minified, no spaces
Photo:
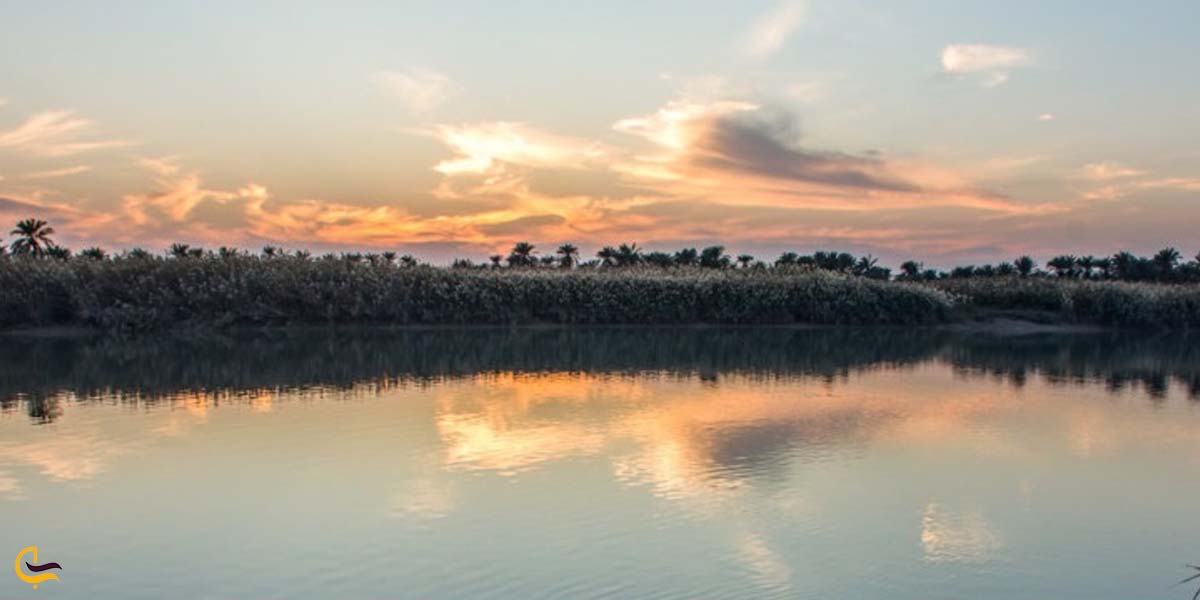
{"x":948,"y":131}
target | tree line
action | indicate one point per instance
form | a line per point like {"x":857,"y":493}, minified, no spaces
{"x":32,"y":239}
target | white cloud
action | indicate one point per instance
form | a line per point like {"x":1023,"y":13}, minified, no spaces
{"x":1108,"y":170}
{"x":483,"y":147}
{"x":948,"y":536}
{"x":421,"y":90}
{"x":772,"y":30}
{"x":971,"y":58}
{"x":1046,"y":117}
{"x":55,"y":173}
{"x":993,"y":62}
{"x":54,"y":133}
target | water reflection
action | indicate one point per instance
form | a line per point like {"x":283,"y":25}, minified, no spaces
{"x":734,"y":463}
{"x":40,"y":373}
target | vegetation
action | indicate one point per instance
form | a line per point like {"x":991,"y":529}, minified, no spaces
{"x":42,"y":283}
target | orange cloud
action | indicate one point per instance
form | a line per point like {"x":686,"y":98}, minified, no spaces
{"x":54,"y":134}
{"x":694,"y":170}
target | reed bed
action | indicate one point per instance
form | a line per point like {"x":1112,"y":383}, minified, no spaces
{"x":150,"y":293}
{"x":1113,"y":303}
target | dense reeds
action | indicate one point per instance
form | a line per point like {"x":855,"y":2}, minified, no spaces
{"x":144,"y":292}
{"x":44,"y":284}
{"x":141,"y":292}
{"x":1112,"y":303}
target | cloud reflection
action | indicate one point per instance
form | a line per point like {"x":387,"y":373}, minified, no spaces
{"x":950,"y":536}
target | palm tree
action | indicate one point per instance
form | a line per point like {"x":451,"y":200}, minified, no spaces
{"x":911,"y":269}
{"x":496,"y":259}
{"x":1024,"y":265}
{"x":787,"y":259}
{"x":179,"y":250}
{"x":964,"y":272}
{"x":1086,"y":264}
{"x":1193,"y":567}
{"x":714,"y":257}
{"x":569,"y":255}
{"x":659,"y":259}
{"x":93,"y":253}
{"x":687,"y":257}
{"x":1064,"y":266}
{"x":1165,"y":261}
{"x":33,"y":238}
{"x":58,"y":253}
{"x":607,"y":256}
{"x":270,"y":251}
{"x":1005,"y":269}
{"x":628,"y":255}
{"x":744,"y":260}
{"x":521,"y":255}
{"x":865,"y":264}
{"x":1125,"y":265}
{"x":389,"y":256}
{"x":408,"y":261}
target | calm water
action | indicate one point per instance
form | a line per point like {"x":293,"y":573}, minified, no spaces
{"x":832,"y":464}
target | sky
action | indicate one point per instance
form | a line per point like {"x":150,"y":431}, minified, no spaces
{"x":951,"y":132}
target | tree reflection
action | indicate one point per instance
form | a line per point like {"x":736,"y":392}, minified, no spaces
{"x":38,"y":373}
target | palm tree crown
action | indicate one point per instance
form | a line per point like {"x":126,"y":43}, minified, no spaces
{"x":33,"y":238}
{"x":569,"y":254}
{"x":521,"y":255}
{"x":1165,"y":260}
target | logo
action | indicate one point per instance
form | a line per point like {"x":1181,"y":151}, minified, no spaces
{"x":34,"y":580}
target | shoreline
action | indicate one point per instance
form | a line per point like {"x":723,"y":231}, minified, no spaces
{"x":995,"y":323}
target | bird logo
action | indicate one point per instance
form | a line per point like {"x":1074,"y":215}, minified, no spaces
{"x":33,"y":567}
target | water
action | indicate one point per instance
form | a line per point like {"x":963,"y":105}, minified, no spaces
{"x":619,"y":463}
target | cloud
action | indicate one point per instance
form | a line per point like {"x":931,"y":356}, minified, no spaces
{"x":1046,"y":117}
{"x":741,"y":153}
{"x":177,"y":195}
{"x":992,"y":62}
{"x":73,"y":223}
{"x":948,"y":536}
{"x":772,"y":30}
{"x":1108,"y":170}
{"x":420,"y":90}
{"x":56,"y":173}
{"x":972,"y":58}
{"x":1116,"y":181}
{"x":693,"y":171}
{"x":486,"y":147}
{"x":759,"y":144}
{"x":53,"y":134}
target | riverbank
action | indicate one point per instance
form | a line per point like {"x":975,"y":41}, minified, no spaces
{"x":152,"y":293}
